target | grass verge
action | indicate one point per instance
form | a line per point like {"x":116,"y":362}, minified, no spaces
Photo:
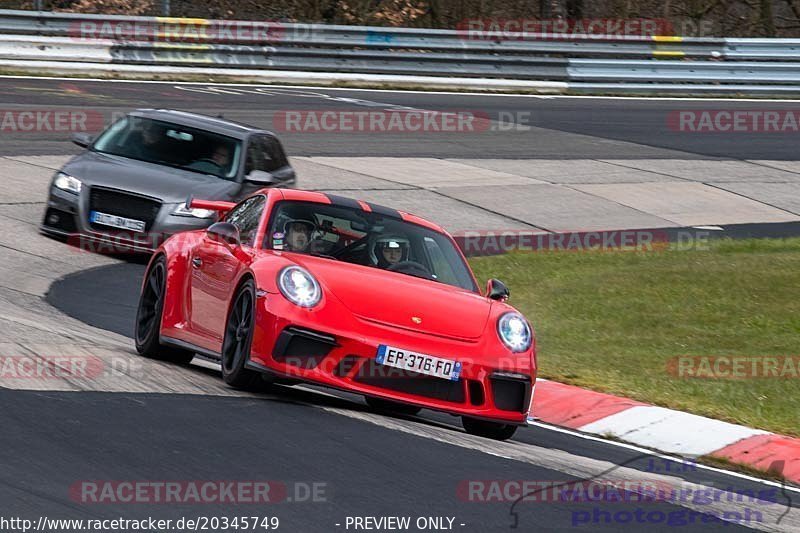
{"x":612,"y":321}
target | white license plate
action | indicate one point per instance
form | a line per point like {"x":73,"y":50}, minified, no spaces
{"x":418,"y":362}
{"x":116,"y":222}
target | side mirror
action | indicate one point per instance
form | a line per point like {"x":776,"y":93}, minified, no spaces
{"x":84,"y":140}
{"x":224,"y":232}
{"x":259,"y":177}
{"x":497,"y":290}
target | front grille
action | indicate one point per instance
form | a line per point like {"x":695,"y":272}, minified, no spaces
{"x":302,"y":348}
{"x":123,"y":204}
{"x":476,"y":395}
{"x":405,"y":381}
{"x":510,"y":394}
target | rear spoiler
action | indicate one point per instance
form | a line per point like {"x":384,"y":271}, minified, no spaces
{"x":212,"y":205}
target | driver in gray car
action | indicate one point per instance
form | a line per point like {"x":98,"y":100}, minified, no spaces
{"x":218,"y":162}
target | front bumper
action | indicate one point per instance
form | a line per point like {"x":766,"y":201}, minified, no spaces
{"x":67,"y":217}
{"x":490,"y":388}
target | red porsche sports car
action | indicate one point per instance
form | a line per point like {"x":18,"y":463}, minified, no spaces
{"x":305,"y":286}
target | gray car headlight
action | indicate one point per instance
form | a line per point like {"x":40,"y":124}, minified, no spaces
{"x":68,"y":183}
{"x":514,"y":331}
{"x":182,"y":211}
{"x":299,"y":286}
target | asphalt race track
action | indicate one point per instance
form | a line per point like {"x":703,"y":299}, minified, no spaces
{"x":155,"y":422}
{"x":560,"y":128}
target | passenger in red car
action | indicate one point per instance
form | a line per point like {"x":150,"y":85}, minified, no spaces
{"x":390,"y":250}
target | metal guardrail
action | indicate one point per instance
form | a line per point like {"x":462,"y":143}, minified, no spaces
{"x":582,"y":59}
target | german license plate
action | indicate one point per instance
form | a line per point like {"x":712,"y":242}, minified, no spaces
{"x":418,"y":362}
{"x":114,"y":221}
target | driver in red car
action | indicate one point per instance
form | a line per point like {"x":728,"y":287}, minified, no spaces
{"x":390,"y":250}
{"x":298,"y":234}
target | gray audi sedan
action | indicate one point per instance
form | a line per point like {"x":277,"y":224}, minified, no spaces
{"x":128,"y":190}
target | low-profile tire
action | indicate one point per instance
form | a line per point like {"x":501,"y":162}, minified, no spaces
{"x":238,"y":337}
{"x":490,"y":430}
{"x":379,"y":404}
{"x":148,"y":317}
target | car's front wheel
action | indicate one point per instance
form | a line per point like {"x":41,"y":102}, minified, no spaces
{"x":238,"y":338}
{"x":148,"y":317}
{"x":389,"y":406}
{"x":490,"y":430}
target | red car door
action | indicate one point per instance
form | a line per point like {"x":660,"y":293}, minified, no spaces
{"x":215,"y":268}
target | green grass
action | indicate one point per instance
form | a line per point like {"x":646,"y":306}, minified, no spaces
{"x":610,"y":321}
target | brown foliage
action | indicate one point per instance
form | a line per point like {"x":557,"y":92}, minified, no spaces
{"x":734,"y":18}
{"x":112,"y":7}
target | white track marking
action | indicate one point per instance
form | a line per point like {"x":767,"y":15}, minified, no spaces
{"x":581,"y":467}
{"x":671,"y":431}
{"x":398,"y":91}
{"x":617,"y":444}
{"x":660,"y":455}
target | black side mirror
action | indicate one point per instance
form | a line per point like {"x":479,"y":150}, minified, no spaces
{"x":84,"y":140}
{"x":497,"y":290}
{"x":259,"y":177}
{"x":225,"y":232}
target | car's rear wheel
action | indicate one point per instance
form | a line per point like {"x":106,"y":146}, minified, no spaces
{"x":148,"y":317}
{"x":490,"y":430}
{"x":380,"y":404}
{"x":238,"y":338}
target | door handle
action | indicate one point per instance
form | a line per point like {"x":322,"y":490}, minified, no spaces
{"x":197,"y":262}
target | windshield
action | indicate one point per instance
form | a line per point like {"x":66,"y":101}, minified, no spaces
{"x":369,"y":239}
{"x":172,"y":145}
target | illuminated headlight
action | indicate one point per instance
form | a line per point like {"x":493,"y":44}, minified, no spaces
{"x":182,"y":211}
{"x":515,"y":332}
{"x":299,"y":286}
{"x":65,"y":182}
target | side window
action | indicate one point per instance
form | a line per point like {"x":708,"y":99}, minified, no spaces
{"x":441,"y":267}
{"x":274,"y":152}
{"x":264,"y":153}
{"x":246,"y":216}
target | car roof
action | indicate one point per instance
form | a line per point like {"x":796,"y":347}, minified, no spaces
{"x":218,"y":125}
{"x":333,"y":199}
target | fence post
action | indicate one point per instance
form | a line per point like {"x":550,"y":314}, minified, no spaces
{"x":165,"y":8}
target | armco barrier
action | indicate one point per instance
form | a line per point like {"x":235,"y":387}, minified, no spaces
{"x":646,"y":63}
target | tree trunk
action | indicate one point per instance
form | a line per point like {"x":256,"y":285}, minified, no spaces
{"x":766,"y":19}
{"x":574,"y":9}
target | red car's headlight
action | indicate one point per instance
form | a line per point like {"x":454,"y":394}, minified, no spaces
{"x":514,"y":331}
{"x":299,"y":286}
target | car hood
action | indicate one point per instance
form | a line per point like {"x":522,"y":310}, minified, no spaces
{"x":394,"y":299}
{"x":170,"y":185}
